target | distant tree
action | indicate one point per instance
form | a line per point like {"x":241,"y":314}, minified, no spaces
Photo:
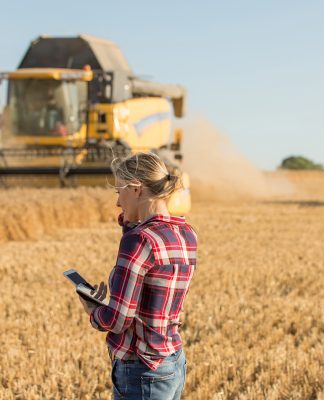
{"x":299,"y":162}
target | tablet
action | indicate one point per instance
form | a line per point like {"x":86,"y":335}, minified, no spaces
{"x":84,"y":292}
{"x":76,"y":278}
{"x":83,"y":288}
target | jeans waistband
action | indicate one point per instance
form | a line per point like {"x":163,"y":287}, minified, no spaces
{"x":134,"y":358}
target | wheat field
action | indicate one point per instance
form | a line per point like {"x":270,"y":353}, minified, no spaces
{"x":253,"y":319}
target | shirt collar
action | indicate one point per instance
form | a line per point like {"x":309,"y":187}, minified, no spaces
{"x":164,"y":218}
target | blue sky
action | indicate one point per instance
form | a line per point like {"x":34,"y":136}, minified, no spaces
{"x":253,"y":68}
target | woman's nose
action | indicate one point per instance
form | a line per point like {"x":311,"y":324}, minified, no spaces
{"x":117,"y":203}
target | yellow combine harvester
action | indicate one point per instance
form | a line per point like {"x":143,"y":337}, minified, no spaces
{"x":74,"y":103}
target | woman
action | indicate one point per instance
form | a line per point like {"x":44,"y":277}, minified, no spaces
{"x":155,"y":264}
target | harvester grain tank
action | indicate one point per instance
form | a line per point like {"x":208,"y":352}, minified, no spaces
{"x":74,"y":104}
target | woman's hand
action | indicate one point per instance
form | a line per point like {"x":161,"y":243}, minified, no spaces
{"x":100,"y":295}
{"x":101,"y":292}
{"x":87,"y":305}
{"x":121,"y":219}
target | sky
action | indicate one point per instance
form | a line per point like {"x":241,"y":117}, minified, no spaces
{"x":255,"y":69}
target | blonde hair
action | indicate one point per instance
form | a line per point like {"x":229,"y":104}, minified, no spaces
{"x":147,"y":169}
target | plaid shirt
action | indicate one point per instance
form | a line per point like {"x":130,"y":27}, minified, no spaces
{"x":155,"y":264}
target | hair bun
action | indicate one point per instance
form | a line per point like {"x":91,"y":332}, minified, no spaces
{"x":150,"y":170}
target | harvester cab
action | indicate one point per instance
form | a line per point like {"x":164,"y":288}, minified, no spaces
{"x":74,"y":104}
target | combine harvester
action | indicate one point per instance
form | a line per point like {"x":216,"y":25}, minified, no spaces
{"x":73,"y":105}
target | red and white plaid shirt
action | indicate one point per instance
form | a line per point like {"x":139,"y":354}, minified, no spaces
{"x":155,"y":264}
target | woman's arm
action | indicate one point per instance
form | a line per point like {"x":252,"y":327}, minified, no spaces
{"x":133,"y":262}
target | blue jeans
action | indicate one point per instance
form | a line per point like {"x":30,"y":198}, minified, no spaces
{"x":136,"y":381}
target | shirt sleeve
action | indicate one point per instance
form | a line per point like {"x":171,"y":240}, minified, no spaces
{"x":132,"y":264}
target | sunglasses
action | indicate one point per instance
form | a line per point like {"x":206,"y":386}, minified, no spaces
{"x":123,"y":187}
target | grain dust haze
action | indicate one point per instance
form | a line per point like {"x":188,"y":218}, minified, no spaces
{"x":220,"y":171}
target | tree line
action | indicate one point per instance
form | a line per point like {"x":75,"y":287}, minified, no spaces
{"x":299,"y":162}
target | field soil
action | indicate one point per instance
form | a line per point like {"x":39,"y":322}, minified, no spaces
{"x":252,"y":325}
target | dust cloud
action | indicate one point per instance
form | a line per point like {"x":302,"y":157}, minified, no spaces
{"x":219,"y":171}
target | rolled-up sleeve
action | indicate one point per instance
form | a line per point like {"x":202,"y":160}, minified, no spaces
{"x":133,"y":262}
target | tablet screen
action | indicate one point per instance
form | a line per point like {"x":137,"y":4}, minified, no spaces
{"x":77,"y":279}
